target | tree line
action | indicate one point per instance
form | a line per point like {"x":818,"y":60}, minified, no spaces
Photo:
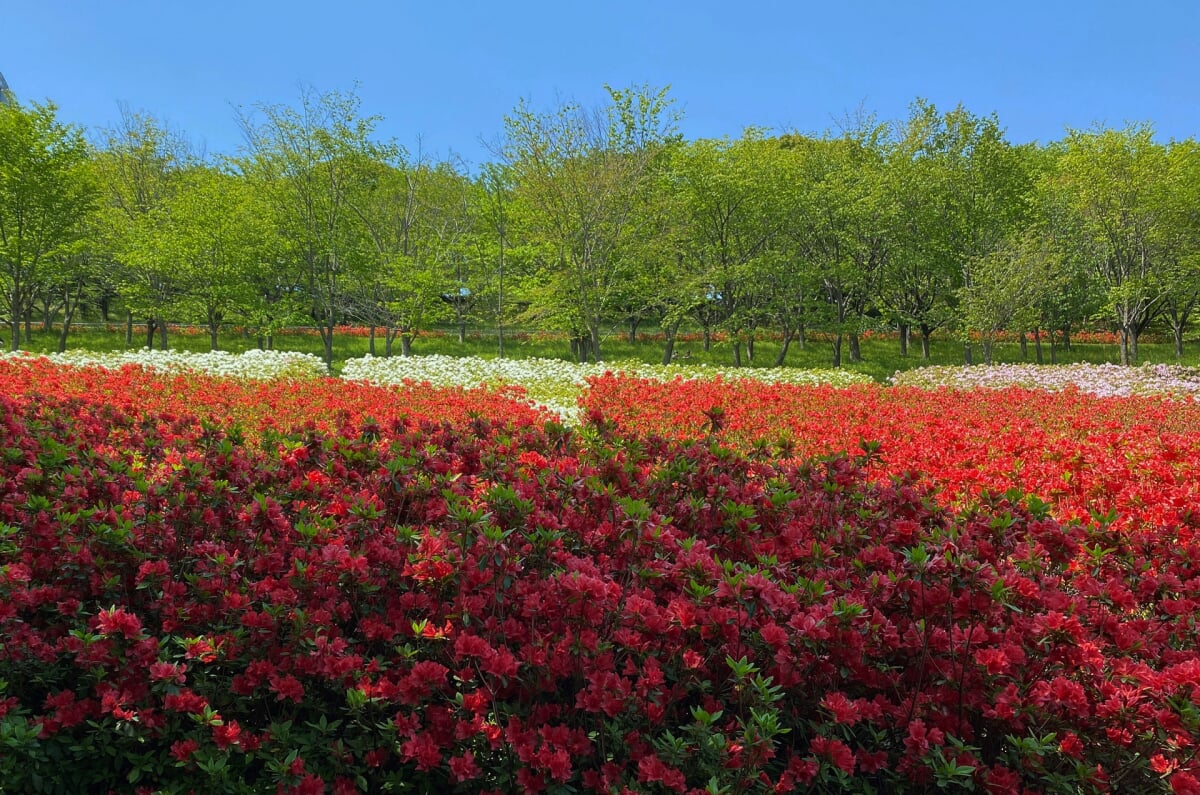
{"x":589,"y":219}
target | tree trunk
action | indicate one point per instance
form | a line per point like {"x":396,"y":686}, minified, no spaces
{"x":737,"y":352}
{"x":1037,"y":344}
{"x":837,"y":350}
{"x":1053,"y":349}
{"x":670,"y":331}
{"x":214,"y":326}
{"x":1133,"y":344}
{"x":150,"y":326}
{"x":903,"y":339}
{"x":389,"y":336}
{"x":788,"y":336}
{"x":987,"y":351}
{"x":162,"y":333}
{"x":855,"y":349}
{"x":800,"y":338}
{"x":371,"y":341}
{"x":14,"y":330}
{"x":462,"y":331}
{"x":707,"y":339}
{"x":406,"y":340}
{"x":1066,"y":331}
{"x":1178,"y":329}
{"x":1024,"y":347}
{"x":129,"y":329}
{"x":634,"y":322}
{"x":968,"y":353}
{"x":327,"y":341}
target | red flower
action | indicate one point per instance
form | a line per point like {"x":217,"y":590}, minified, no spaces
{"x":183,"y":749}
{"x":843,"y":709}
{"x":463,"y":768}
{"x":117,"y":621}
{"x":1071,"y":746}
{"x":835,"y":751}
{"x":287,"y":687}
{"x":1185,"y":784}
{"x":226,"y":734}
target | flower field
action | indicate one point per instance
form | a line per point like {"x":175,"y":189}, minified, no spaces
{"x":314,"y":585}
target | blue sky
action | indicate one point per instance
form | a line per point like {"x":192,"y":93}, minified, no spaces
{"x":444,"y":74}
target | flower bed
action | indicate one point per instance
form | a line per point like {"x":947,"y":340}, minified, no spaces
{"x":1133,"y":460}
{"x":254,"y":364}
{"x":1105,"y":380}
{"x":255,"y":404}
{"x":488,"y":607}
{"x":558,"y":384}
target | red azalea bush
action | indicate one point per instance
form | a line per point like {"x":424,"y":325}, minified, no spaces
{"x":1133,"y":461}
{"x":258,"y":405}
{"x":506,"y":607}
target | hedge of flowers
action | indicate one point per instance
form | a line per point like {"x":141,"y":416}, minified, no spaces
{"x":258,"y":404}
{"x":212,"y":585}
{"x":1097,"y":379}
{"x":1133,"y":461}
{"x":557,"y":384}
{"x":254,"y":364}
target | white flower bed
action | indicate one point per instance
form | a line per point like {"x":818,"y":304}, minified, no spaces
{"x":554,"y":383}
{"x":259,"y":365}
{"x":1106,"y":380}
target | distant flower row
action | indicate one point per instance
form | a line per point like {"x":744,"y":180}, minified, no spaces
{"x":556,"y":384}
{"x":1105,"y":380}
{"x":264,"y":365}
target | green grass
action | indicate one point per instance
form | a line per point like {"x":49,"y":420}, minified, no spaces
{"x":881,"y":357}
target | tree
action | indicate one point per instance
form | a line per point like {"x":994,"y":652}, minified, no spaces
{"x":731,"y":196}
{"x":580,"y":175}
{"x":46,"y":191}
{"x":1110,"y":183}
{"x":962,"y":189}
{"x":1178,"y":238}
{"x":313,"y":162}
{"x":138,"y":165}
{"x":845,"y":229}
{"x":1010,"y":286}
{"x":212,"y":236}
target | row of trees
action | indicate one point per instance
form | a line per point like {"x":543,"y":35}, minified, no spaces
{"x":588,"y":219}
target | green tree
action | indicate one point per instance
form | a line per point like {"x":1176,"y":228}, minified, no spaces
{"x":212,"y":236}
{"x":1010,"y":286}
{"x":313,"y":162}
{"x":1110,"y":184}
{"x":733,"y":212}
{"x":844,"y":228}
{"x":1178,"y":238}
{"x":581,"y":175}
{"x":138,"y":167}
{"x":46,"y":192}
{"x":962,"y":190}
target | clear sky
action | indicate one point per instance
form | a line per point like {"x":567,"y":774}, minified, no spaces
{"x":444,"y":73}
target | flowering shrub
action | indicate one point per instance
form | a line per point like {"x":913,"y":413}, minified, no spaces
{"x":257,"y":404}
{"x":491,"y":606}
{"x":251,"y":364}
{"x":1134,"y":461}
{"x":1106,"y":380}
{"x":557,"y":384}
